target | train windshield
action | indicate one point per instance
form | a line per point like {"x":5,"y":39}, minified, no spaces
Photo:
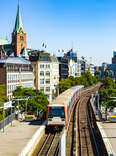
{"x":56,"y":111}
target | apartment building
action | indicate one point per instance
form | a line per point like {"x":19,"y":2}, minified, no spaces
{"x":86,"y":66}
{"x":15,"y":71}
{"x":74,"y":68}
{"x":46,"y":71}
{"x":63,"y":67}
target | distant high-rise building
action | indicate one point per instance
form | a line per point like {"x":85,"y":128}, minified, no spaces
{"x":74,"y":66}
{"x":63,"y":67}
{"x":114,"y":57}
{"x":85,"y":66}
{"x":71,"y":55}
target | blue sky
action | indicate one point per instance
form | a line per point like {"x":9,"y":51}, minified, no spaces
{"x":89,"y":24}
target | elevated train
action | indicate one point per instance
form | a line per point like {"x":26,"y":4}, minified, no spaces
{"x":58,"y":112}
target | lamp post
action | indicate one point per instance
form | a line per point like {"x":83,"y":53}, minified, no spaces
{"x":37,"y":111}
{"x":23,"y":98}
{"x":18,"y":109}
{"x":3,"y":120}
{"x":37,"y":108}
{"x":19,"y":99}
{"x":26,"y":104}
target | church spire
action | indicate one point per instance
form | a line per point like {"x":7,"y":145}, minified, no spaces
{"x":18,"y":22}
{"x":18,"y":35}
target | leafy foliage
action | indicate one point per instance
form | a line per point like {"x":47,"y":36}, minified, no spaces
{"x":109,"y":73}
{"x":108,"y":83}
{"x":2,"y":97}
{"x":36,"y":99}
{"x":107,"y":91}
{"x":98,"y":72}
{"x":2,"y":94}
{"x":86,"y":79}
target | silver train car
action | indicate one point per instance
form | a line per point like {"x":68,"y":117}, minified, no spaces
{"x":58,"y":111}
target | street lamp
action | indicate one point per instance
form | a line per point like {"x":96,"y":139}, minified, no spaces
{"x":23,"y":98}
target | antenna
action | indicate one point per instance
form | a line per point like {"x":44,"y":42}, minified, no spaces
{"x":90,"y":60}
{"x":72,"y":45}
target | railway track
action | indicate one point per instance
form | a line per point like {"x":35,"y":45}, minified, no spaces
{"x":86,"y":137}
{"x":79,"y":131}
{"x":50,"y":145}
{"x":71,"y":133}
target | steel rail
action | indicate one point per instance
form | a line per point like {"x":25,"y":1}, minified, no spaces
{"x":53,"y":149}
{"x":79,"y":131}
{"x":44,"y":144}
{"x":87,"y":92}
{"x":79,"y":128}
{"x":73,"y":113}
{"x":57,"y":150}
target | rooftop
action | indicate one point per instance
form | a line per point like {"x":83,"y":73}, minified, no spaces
{"x":14,"y":60}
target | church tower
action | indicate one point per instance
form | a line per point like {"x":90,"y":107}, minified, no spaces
{"x":18,"y":36}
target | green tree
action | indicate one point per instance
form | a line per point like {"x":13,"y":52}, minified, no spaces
{"x":107,"y":91}
{"x":3,"y":98}
{"x":108,"y":83}
{"x":111,"y":73}
{"x":87,"y":79}
{"x":107,"y":73}
{"x":77,"y":81}
{"x":2,"y":94}
{"x":64,"y":84}
{"x":36,"y":100}
{"x":98,"y":73}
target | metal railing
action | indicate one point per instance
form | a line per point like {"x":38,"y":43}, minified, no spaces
{"x":7,"y":120}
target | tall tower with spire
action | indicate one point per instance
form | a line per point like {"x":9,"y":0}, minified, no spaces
{"x":18,"y":36}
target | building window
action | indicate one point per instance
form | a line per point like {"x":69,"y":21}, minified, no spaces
{"x":8,"y":77}
{"x":42,"y":89}
{"x":47,"y":73}
{"x":41,"y":81}
{"x":47,"y":81}
{"x":47,"y":66}
{"x":41,"y":73}
{"x":47,"y":89}
{"x":21,"y":38}
{"x":41,"y":65}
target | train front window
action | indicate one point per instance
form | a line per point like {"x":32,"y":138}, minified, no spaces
{"x":56,"y":111}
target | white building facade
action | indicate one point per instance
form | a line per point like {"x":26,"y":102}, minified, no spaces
{"x":47,"y":76}
{"x":74,"y":68}
{"x":17,"y":72}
